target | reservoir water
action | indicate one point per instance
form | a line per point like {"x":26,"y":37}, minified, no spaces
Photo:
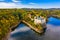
{"x":25,"y":33}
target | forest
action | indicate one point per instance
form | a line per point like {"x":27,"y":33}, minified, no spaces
{"x":11,"y":17}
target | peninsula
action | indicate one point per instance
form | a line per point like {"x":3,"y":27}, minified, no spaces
{"x":36,"y":19}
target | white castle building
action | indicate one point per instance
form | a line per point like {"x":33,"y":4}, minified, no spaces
{"x":39,"y":20}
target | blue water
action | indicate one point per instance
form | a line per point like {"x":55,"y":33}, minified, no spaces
{"x":25,"y":33}
{"x":54,"y":21}
{"x":21,"y":25}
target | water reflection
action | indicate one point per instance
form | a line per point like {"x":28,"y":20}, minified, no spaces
{"x":25,"y":33}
